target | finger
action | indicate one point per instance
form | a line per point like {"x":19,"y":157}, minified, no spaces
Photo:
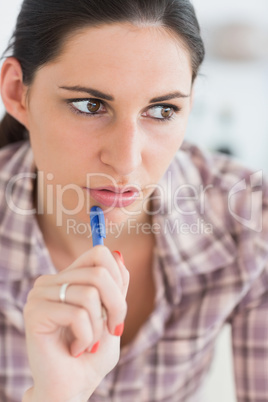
{"x":123,"y":270}
{"x":47,"y":317}
{"x":86,"y":297}
{"x":102,"y":256}
{"x":98,"y":256}
{"x":110,"y":294}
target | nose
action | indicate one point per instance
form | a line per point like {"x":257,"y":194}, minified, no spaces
{"x":122,"y":147}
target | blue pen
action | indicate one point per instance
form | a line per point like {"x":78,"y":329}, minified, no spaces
{"x":97,"y":223}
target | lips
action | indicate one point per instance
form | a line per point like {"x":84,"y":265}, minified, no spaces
{"x":114,"y":197}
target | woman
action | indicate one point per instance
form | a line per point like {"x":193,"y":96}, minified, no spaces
{"x":97,"y":95}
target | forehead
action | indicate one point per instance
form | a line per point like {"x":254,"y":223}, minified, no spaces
{"x":124,"y":54}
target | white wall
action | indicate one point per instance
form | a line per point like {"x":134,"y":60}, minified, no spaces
{"x":217,"y":11}
{"x":237,"y":88}
{"x":8,"y":13}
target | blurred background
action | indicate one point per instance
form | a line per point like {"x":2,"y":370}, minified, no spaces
{"x":230,"y":112}
{"x":231,"y":104}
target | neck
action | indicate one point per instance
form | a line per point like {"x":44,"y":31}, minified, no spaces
{"x":74,"y":236}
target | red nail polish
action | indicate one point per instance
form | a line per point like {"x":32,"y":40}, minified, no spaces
{"x":80,"y":354}
{"x":119,"y":329}
{"x":120,"y":255}
{"x":95,"y":347}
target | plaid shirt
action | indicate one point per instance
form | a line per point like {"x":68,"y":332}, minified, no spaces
{"x":210,"y":268}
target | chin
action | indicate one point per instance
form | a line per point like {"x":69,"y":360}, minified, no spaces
{"x":119,"y":215}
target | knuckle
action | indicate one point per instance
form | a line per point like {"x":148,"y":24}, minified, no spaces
{"x":126,"y":277}
{"x":32,"y":297}
{"x":99,"y":251}
{"x":120,"y":307}
{"x":101,"y":274}
{"x":41,"y":280}
{"x":124,"y":308}
{"x":90,"y":296}
{"x":81,"y":315}
{"x":30,"y":310}
{"x":127,"y":274}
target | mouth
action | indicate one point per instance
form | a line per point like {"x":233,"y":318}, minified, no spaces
{"x":114,"y":196}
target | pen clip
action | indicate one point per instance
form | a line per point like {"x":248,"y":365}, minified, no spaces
{"x":97,"y":221}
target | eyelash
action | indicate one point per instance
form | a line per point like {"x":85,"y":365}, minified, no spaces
{"x":176,"y":109}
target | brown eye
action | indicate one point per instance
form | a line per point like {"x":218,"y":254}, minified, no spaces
{"x":162,"y":113}
{"x":93,"y":106}
{"x":167,"y":112}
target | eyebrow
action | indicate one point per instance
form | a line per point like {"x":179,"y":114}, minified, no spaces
{"x":98,"y":94}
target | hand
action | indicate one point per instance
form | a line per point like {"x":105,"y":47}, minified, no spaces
{"x":56,"y":332}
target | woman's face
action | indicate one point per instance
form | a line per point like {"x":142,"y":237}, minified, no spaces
{"x":99,"y":133}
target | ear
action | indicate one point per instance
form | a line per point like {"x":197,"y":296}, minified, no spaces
{"x":13,"y":91}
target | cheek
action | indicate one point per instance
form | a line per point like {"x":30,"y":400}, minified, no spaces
{"x":171,"y":140}
{"x":49,"y":139}
{"x":160,"y":154}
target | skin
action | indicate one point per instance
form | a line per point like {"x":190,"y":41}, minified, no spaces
{"x":126,"y":143}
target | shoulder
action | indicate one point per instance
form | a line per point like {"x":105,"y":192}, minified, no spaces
{"x":16,"y":174}
{"x":18,"y":228}
{"x":210,"y":168}
{"x":13,"y":158}
{"x":221,"y":186}
{"x":215,"y":210}
{"x":16,"y":163}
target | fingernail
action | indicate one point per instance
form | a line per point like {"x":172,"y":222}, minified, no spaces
{"x":119,"y":329}
{"x":120,"y":255}
{"x":95,"y":347}
{"x":80,"y":354}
